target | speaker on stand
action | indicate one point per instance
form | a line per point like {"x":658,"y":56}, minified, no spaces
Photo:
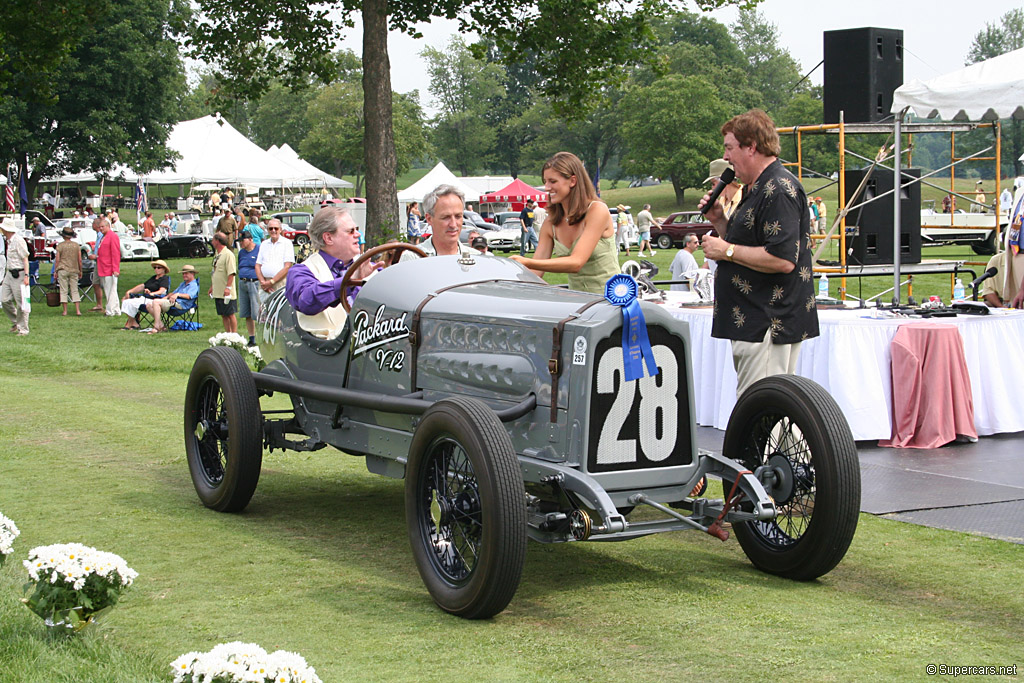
{"x":872,"y":242}
{"x":863,"y":66}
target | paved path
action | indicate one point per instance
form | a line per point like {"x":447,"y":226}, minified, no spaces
{"x":976,"y":488}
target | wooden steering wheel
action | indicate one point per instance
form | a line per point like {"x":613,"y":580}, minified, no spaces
{"x":395,"y":248}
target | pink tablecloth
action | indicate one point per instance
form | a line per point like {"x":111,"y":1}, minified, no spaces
{"x":931,"y":389}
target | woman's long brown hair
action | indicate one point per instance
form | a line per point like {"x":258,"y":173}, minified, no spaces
{"x":574,"y":208}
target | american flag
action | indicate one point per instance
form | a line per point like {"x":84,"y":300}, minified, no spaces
{"x":9,"y":192}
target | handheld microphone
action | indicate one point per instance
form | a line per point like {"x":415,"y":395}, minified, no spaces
{"x":727,"y":177}
{"x":991,"y":272}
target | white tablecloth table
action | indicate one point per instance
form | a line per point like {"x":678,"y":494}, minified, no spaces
{"x":852,"y":360}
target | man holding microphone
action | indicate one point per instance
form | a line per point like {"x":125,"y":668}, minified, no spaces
{"x":764,"y":291}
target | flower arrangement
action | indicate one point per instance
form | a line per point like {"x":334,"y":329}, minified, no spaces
{"x":242,"y":662}
{"x":239,"y":343}
{"x":75,"y":585}
{"x":8,"y":532}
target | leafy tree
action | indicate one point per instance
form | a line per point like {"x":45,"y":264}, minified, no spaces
{"x":116,"y":97}
{"x":770,"y":68}
{"x":36,"y":39}
{"x":462,"y":86}
{"x":280,"y":116}
{"x":671,"y":130}
{"x":993,"y":40}
{"x":335,"y":139}
{"x":578,"y":44}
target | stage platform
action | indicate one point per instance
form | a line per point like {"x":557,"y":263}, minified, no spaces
{"x":852,"y":360}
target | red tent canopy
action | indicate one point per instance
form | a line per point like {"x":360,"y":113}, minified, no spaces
{"x":517,"y":192}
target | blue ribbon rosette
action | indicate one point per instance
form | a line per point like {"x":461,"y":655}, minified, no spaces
{"x":621,"y":290}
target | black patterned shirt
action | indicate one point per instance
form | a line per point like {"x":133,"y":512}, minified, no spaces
{"x":773,"y":215}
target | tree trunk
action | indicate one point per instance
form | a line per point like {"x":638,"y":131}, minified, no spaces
{"x":378,"y":137}
{"x":677,"y":185}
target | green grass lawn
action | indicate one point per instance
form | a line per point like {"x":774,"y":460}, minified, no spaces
{"x":319,"y":563}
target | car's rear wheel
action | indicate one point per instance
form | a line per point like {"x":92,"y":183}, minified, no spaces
{"x":223,"y":430}
{"x":792,"y":426}
{"x":197,"y":250}
{"x":664,"y":242}
{"x":301,"y":240}
{"x":465,"y":508}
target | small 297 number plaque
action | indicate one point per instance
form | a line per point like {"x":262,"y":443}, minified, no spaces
{"x":641,"y":424}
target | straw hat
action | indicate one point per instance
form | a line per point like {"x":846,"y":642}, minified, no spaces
{"x":162,"y":264}
{"x":7,"y":225}
{"x":716,"y":168}
{"x":188,"y":269}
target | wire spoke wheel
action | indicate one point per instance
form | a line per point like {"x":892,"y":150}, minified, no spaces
{"x":793,"y":436}
{"x":465,"y":508}
{"x":453,"y":523}
{"x":223,"y":430}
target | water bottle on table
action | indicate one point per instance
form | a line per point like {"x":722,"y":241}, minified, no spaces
{"x":823,"y":286}
{"x":958,"y":290}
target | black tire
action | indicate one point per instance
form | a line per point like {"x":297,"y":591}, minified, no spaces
{"x":301,"y":240}
{"x":223,"y":430}
{"x":792,"y":424}
{"x":986,"y":247}
{"x":197,"y":250}
{"x":465,"y":508}
{"x":664,"y":241}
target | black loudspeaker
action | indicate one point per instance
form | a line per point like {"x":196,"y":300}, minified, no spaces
{"x":872,"y":242}
{"x":863,"y":66}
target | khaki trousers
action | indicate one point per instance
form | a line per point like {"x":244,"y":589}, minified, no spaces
{"x":10,"y":295}
{"x":757,"y":360}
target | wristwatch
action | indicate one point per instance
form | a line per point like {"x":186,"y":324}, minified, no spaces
{"x":729,"y":251}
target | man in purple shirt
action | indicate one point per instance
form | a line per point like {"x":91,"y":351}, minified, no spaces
{"x":313,"y":287}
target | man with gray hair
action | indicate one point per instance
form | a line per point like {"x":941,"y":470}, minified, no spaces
{"x":313,"y":287}
{"x":108,"y":265}
{"x":443,"y":209}
{"x":684,"y":262}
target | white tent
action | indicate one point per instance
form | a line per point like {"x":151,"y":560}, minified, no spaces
{"x":988,"y":90}
{"x":212,"y":151}
{"x":288,"y":155}
{"x":437,"y":175}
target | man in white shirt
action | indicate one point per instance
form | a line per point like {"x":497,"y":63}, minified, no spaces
{"x":443,"y":209}
{"x":276,"y":256}
{"x":684,"y":262}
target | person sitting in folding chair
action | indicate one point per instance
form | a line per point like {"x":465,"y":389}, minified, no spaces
{"x":183,"y":299}
{"x":135,"y":299}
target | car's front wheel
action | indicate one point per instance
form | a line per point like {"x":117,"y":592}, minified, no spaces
{"x":197,"y":250}
{"x":301,"y":240}
{"x":664,"y":242}
{"x":465,"y":508}
{"x":788,"y":430}
{"x":223,"y":430}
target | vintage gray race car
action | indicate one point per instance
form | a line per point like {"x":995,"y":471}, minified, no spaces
{"x":502,"y":402}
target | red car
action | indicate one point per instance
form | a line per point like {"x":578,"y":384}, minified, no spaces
{"x":294,"y":225}
{"x":675,"y":228}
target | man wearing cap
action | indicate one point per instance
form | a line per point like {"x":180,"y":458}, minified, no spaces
{"x":275,"y":258}
{"x":154,"y":288}
{"x":764,"y":293}
{"x":38,"y":229}
{"x":67,"y":268}
{"x":528,"y":241}
{"x":15,"y":277}
{"x":108,"y":264}
{"x":222,"y":284}
{"x":180,"y":300}
{"x":248,"y":283}
{"x":228,"y":226}
{"x":822,"y":214}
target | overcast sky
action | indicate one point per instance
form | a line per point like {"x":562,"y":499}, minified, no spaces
{"x":937,"y":34}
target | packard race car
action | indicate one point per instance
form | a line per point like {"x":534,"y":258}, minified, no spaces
{"x":505,"y":405}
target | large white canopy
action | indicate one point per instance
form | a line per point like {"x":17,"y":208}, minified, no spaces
{"x":437,"y":176}
{"x":989,"y":90}
{"x":212,"y":151}
{"x":322,"y":179}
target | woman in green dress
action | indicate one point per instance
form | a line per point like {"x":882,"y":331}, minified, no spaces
{"x":578,"y":237}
